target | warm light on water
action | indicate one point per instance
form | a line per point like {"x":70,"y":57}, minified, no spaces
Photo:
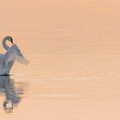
{"x":74,"y":51}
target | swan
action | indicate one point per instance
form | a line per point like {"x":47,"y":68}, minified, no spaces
{"x":12,"y":54}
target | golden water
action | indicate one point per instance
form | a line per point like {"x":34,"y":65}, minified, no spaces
{"x":74,"y":51}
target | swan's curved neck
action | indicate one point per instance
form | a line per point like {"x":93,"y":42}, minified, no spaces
{"x":4,"y":43}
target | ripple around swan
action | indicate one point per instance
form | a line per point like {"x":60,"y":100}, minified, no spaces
{"x":53,"y":95}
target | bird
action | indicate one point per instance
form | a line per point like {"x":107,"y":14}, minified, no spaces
{"x":12,"y":54}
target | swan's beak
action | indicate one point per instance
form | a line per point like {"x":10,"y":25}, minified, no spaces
{"x":12,"y":42}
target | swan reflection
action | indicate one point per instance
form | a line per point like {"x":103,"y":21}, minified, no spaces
{"x":11,"y":92}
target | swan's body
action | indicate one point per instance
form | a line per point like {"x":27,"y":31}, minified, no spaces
{"x":7,"y":60}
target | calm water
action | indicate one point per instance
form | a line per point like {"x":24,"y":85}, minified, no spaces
{"x":74,"y":51}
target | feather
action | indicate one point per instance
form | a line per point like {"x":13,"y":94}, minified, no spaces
{"x":14,"y":54}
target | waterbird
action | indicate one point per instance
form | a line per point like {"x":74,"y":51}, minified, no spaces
{"x":12,"y":54}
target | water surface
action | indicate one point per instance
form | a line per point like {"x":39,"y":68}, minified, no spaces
{"x":74,"y":54}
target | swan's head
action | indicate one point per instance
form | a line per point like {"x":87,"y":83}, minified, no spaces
{"x":9,"y":38}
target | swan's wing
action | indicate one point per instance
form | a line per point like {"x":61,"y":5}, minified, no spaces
{"x":13,"y":54}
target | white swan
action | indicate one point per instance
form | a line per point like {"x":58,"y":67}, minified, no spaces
{"x":13,"y":54}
